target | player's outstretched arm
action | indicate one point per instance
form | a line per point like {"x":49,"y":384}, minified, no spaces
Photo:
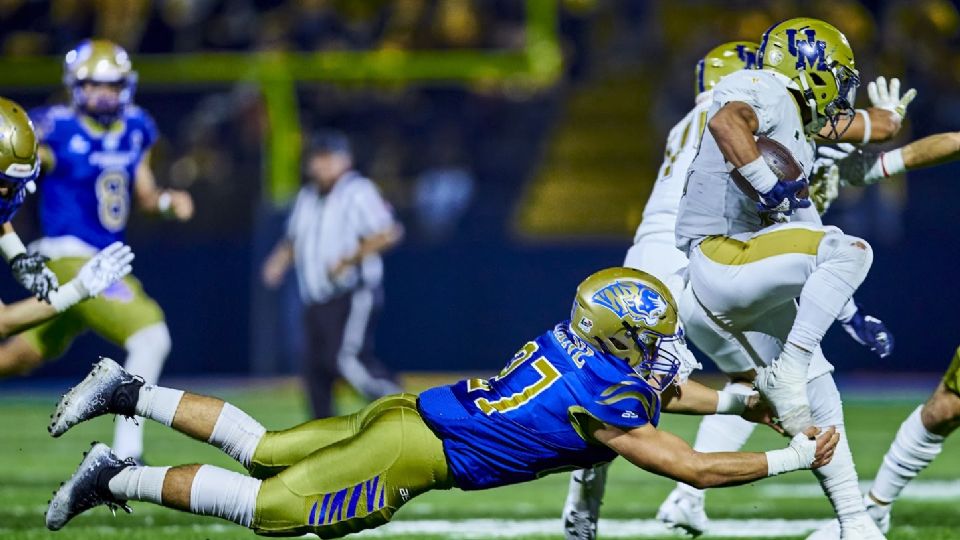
{"x":174,"y":203}
{"x":667,"y":455}
{"x":103,"y":270}
{"x":277,"y":264}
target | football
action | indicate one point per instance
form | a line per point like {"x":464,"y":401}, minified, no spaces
{"x":780,"y":160}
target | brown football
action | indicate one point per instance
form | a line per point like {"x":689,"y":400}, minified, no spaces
{"x":780,"y":160}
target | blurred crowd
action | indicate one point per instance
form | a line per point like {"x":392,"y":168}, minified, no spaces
{"x":443,"y":149}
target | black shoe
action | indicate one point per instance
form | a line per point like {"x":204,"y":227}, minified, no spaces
{"x":87,"y":488}
{"x":107,"y":389}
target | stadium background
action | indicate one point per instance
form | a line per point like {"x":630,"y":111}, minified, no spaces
{"x":518,"y":140}
{"x":515,"y":174}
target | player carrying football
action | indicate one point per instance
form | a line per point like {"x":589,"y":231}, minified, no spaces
{"x":748,"y":262}
{"x":96,"y":155}
{"x":579,"y":394}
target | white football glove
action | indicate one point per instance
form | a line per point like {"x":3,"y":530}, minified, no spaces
{"x":825,"y":180}
{"x":106,"y":268}
{"x":888,"y":97}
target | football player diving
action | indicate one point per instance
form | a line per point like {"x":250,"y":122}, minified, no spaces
{"x":654,"y":251}
{"x":580,"y":394}
{"x":19,"y":165}
{"x":751,"y":259}
{"x":95,"y":156}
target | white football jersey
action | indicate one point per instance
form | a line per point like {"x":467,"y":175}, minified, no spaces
{"x":660,"y":213}
{"x":712,"y":204}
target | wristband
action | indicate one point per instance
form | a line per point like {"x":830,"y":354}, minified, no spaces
{"x":759,"y":174}
{"x":867,"y":125}
{"x":782,"y":461}
{"x":892,"y":162}
{"x":67,"y":296}
{"x":731,"y":402}
{"x":11,"y":246}
{"x":164,"y":201}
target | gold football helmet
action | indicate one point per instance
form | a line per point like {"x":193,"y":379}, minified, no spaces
{"x":629,"y":314}
{"x":817,"y":62}
{"x":723,"y":60}
{"x":102,"y":62}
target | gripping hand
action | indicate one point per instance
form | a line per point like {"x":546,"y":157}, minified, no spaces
{"x":30,"y":271}
{"x":783,"y":197}
{"x":870,"y":332}
{"x":105,"y":268}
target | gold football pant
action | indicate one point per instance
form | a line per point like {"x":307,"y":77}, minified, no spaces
{"x":340,"y":475}
{"x":952,"y":378}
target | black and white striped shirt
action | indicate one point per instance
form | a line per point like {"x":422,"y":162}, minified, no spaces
{"x":325,"y":229}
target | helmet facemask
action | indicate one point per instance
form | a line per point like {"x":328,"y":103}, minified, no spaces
{"x":100,"y":63}
{"x":646,"y":354}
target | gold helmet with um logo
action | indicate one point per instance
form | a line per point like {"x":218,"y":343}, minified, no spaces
{"x":723,"y":60}
{"x":817,"y":63}
{"x":629,"y":314}
{"x":99,"y":62}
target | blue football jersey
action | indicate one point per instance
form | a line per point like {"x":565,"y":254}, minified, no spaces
{"x":88,"y":192}
{"x":537,"y":416}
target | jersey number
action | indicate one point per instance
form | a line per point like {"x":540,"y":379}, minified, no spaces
{"x":548,"y":375}
{"x":113,"y":200}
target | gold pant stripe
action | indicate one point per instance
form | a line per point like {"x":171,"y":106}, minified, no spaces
{"x":731,"y":252}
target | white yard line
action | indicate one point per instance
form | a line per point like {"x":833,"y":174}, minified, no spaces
{"x":609,"y":528}
{"x":920,"y":490}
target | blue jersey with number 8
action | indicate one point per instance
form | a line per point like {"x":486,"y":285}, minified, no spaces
{"x":537,"y":416}
{"x":88,"y":192}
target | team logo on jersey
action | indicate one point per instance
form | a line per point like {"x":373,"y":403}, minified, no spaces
{"x":79,"y":145}
{"x":808,"y":52}
{"x":629,"y":298}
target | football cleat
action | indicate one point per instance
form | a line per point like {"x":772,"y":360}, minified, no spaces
{"x":684,"y":511}
{"x":784,"y":385}
{"x":87,"y":488}
{"x":107,"y":389}
{"x":878,"y":512}
{"x":582,"y":508}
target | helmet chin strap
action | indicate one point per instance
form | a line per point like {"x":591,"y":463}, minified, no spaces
{"x":811,"y":100}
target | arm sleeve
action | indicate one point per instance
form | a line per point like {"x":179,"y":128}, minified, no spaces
{"x":626,"y":405}
{"x":371,"y":214}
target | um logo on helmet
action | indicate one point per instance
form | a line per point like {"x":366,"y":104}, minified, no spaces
{"x":627,"y":298}
{"x":747,"y":56}
{"x":809,"y":51}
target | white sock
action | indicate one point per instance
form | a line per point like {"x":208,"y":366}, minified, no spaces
{"x":839,"y":478}
{"x":224,"y":494}
{"x":586,"y":488}
{"x":139,"y":484}
{"x":721,"y":433}
{"x":842,"y":264}
{"x":147,"y":350}
{"x":237,"y":434}
{"x":911,"y":451}
{"x":158,"y":403}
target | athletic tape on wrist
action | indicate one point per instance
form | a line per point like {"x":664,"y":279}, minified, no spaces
{"x":11,"y":245}
{"x":730,"y":402}
{"x":759,"y":174}
{"x":67,"y":296}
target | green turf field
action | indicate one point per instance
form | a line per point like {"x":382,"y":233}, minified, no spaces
{"x":32,"y":464}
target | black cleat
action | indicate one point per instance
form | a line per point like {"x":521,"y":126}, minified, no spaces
{"x":87,"y":488}
{"x":107,"y":389}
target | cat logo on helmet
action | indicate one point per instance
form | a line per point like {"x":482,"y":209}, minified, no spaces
{"x":816,"y":61}
{"x":723,"y":60}
{"x":632,"y":314}
{"x":104,"y":62}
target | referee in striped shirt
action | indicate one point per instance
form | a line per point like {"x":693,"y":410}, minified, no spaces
{"x":338,"y":227}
